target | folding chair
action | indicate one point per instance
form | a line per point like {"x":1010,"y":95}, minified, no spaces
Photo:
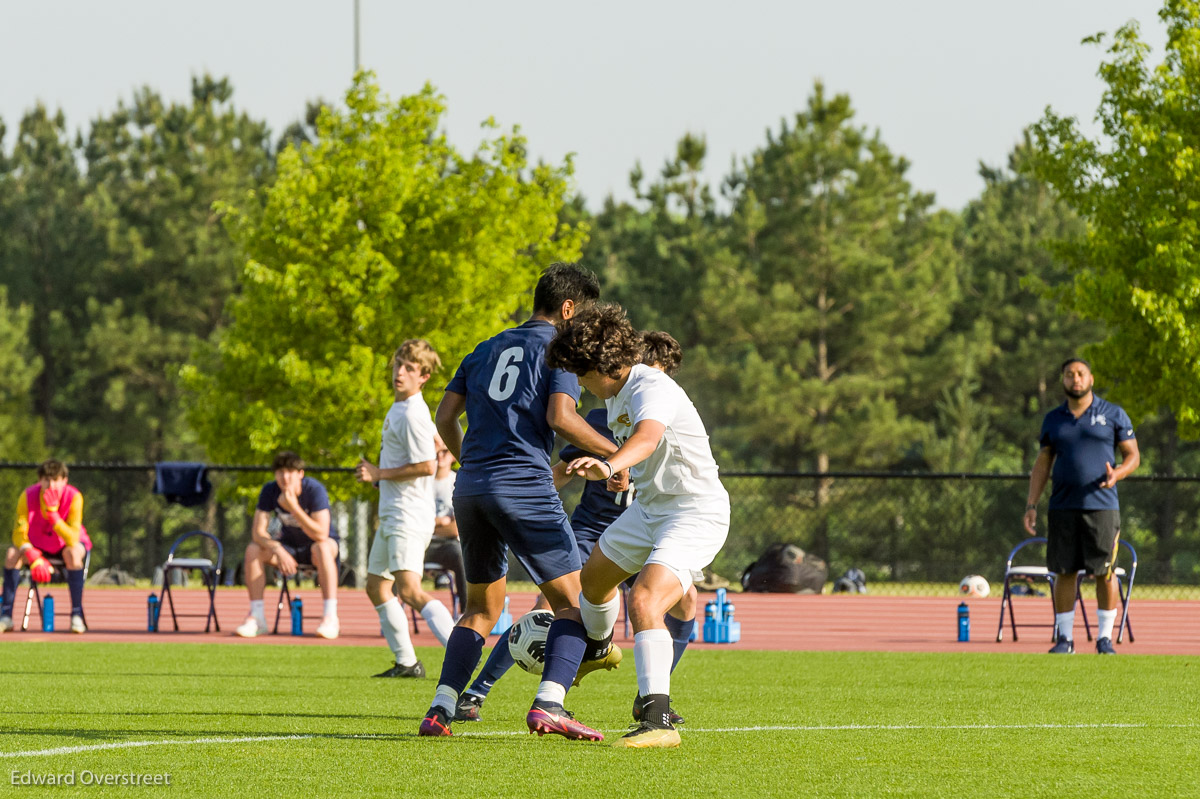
{"x":1024,"y":573}
{"x":303,"y":570}
{"x":34,"y":596}
{"x":1124,"y":587}
{"x":435,"y":570}
{"x":210,"y":572}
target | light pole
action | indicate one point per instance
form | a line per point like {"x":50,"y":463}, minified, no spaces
{"x":356,"y":36}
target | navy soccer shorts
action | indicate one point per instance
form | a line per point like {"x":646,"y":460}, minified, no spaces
{"x":535,"y":528}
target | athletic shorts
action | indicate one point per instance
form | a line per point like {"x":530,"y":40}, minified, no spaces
{"x":535,"y":528}
{"x":1082,"y":540}
{"x":396,"y":548}
{"x":684,"y":541}
{"x":302,"y":553}
{"x":585,"y":540}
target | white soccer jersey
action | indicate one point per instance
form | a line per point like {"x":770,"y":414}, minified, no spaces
{"x":681,"y":472}
{"x":408,"y":437}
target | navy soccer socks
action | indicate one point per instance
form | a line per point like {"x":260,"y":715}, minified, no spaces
{"x":498,"y":662}
{"x":566,"y":644}
{"x":75,"y":586}
{"x":681,"y":633}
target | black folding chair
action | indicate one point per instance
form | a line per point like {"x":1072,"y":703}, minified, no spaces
{"x":210,"y":572}
{"x":285,"y":595}
{"x":34,"y":597}
{"x":1023,"y":573}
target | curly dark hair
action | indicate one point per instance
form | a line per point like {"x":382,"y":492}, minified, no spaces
{"x":52,"y":468}
{"x":597,"y":339}
{"x":662,"y":350}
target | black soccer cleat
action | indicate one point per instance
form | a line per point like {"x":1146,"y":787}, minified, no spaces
{"x":468,"y":708}
{"x":415,"y":670}
{"x":1104,"y":646}
{"x":674,"y":717}
{"x":436,"y":723}
{"x":1064,"y":646}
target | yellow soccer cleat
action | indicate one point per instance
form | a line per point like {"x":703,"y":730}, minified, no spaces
{"x":610,"y":661}
{"x":646,"y":736}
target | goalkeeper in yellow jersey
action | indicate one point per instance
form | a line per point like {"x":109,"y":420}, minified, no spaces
{"x":49,"y":522}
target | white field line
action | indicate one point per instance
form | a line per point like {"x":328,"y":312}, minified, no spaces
{"x":70,"y":750}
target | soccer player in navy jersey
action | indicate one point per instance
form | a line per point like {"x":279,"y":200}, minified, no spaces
{"x":504,"y":497}
{"x":598,"y":507}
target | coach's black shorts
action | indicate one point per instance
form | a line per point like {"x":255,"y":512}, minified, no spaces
{"x":1082,"y":539}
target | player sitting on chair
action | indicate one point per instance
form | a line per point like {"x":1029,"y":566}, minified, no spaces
{"x":49,"y":522}
{"x":679,"y":518}
{"x":407,"y":463}
{"x":301,"y":505}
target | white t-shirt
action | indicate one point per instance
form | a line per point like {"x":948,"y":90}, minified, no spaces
{"x":408,"y":433}
{"x":443,"y":495}
{"x":681,"y":472}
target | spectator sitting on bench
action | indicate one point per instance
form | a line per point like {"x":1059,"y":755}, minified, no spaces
{"x":301,"y":505}
{"x":49,"y":522}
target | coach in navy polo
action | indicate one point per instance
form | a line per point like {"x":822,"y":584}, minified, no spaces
{"x":1080,"y":439}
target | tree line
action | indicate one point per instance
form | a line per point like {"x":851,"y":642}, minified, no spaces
{"x":176,"y":283}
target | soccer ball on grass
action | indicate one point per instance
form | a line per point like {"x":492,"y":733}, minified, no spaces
{"x":527,"y":640}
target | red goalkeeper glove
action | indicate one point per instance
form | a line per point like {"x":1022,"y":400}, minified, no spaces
{"x":39,"y":567}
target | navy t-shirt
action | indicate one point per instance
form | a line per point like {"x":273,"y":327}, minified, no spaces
{"x":1081,"y":447}
{"x":507,"y":385}
{"x":313,"y":498}
{"x":598,"y":507}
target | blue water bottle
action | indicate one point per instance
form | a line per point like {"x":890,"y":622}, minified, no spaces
{"x":48,"y":614}
{"x":504,"y":622}
{"x":964,"y":622}
{"x":297,"y":617}
{"x":152,"y":614}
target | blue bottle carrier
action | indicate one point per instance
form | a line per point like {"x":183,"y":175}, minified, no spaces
{"x":719,"y":626}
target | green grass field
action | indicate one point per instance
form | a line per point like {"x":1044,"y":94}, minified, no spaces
{"x":758,"y":724}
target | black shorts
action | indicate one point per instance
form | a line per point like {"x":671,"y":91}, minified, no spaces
{"x":1082,"y":540}
{"x":301,"y":551}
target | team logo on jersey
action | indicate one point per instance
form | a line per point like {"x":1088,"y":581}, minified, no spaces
{"x":1100,"y":419}
{"x":624,"y":419}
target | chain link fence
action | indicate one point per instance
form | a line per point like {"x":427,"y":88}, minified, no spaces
{"x":919,"y":533}
{"x":909,"y":533}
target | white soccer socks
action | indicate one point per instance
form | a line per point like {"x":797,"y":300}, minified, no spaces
{"x":1105,"y":620}
{"x":598,"y":620}
{"x":1064,"y":624}
{"x":395,"y":631}
{"x":439,"y":620}
{"x":653,"y":653}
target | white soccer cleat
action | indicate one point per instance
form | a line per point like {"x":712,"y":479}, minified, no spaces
{"x":328,"y":628}
{"x":6,"y":624}
{"x":252,"y":628}
{"x":77,"y":625}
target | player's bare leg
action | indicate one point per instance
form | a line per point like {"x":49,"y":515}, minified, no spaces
{"x":255,"y":575}
{"x":656,"y":590}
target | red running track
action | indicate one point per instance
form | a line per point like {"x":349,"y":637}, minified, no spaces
{"x":769,"y":621}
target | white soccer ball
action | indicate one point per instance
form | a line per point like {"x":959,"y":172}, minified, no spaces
{"x":527,"y":640}
{"x":974,"y":585}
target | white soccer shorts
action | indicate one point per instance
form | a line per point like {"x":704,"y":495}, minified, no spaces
{"x":397,"y":549}
{"x":684,"y":541}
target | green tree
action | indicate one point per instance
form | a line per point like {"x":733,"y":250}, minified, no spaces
{"x":20,"y":430}
{"x":652,"y":259}
{"x":376,"y":232}
{"x":51,"y":243}
{"x":1138,"y":190}
{"x":1009,"y":319}
{"x":843,"y":278}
